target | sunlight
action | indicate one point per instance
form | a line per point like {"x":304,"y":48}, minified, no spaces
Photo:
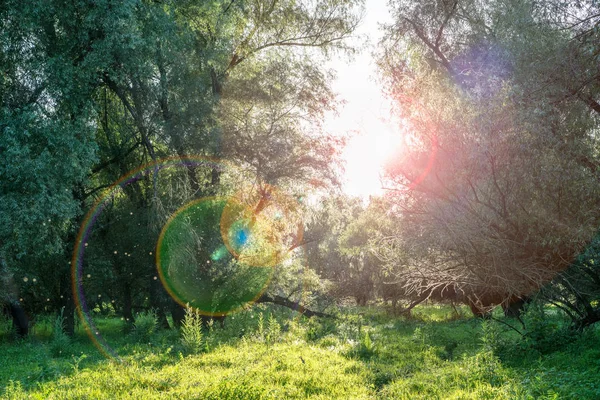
{"x":365,"y":156}
{"x":366,"y":113}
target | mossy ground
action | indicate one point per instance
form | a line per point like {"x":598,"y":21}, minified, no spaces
{"x":362,"y":354}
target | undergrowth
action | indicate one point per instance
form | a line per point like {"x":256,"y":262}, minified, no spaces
{"x":269,"y":353}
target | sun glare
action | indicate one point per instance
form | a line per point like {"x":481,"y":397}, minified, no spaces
{"x":365,"y":156}
{"x":366,"y":112}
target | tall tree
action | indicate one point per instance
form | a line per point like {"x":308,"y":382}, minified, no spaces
{"x":497,"y":192}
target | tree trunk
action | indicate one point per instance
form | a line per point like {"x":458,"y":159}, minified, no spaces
{"x":177,"y":313}
{"x":157,"y":303}
{"x":20,"y":321}
{"x":290,"y":304}
{"x":68,"y":313}
{"x":515,"y":308}
{"x":127,"y":309}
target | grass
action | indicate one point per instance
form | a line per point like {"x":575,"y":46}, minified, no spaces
{"x":268,"y":353}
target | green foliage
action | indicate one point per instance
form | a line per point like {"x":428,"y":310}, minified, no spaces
{"x":576,"y":290}
{"x":273,"y":332}
{"x":145,"y":325}
{"x":61,"y":342}
{"x":366,"y":348}
{"x":14,"y":391}
{"x":191,"y":331}
{"x":317,"y":329}
{"x":400,"y":359}
{"x":492,"y":337}
{"x":77,"y":361}
{"x":546,"y":333}
{"x":6,"y":329}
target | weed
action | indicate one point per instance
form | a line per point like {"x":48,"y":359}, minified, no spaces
{"x":61,"y":342}
{"x":273,"y":330}
{"x":191,"y":331}
{"x":76,"y":362}
{"x":14,"y":391}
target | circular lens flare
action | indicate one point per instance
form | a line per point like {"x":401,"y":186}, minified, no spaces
{"x":197,"y":269}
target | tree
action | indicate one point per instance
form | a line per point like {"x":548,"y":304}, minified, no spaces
{"x":92,"y":90}
{"x":46,"y":140}
{"x":497,"y":192}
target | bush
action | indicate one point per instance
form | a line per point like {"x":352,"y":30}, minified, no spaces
{"x":145,"y":325}
{"x":318,"y":328}
{"x":191,"y":331}
{"x":6,"y":328}
{"x":546,"y":333}
{"x":493,"y":337}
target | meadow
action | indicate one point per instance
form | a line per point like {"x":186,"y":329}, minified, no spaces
{"x":269,"y":353}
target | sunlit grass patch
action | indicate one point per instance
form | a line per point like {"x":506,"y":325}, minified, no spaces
{"x":250,"y":370}
{"x":478,"y":377}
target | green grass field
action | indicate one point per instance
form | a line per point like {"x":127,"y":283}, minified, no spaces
{"x":268,"y":353}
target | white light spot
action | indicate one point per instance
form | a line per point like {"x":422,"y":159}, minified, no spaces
{"x":25,"y":279}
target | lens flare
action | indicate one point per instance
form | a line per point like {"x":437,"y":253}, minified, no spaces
{"x":260,"y":225}
{"x":195,"y":266}
{"x":215,"y":254}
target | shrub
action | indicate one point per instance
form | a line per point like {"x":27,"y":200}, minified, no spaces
{"x":318,"y":328}
{"x":367,"y":346}
{"x":191,"y":331}
{"x":145,"y":325}
{"x":493,"y":338}
{"x":6,"y":328}
{"x":545,"y":333}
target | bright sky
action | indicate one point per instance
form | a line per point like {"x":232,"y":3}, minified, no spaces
{"x":366,"y":113}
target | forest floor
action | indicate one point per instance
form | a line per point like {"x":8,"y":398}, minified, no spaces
{"x":267,"y":353}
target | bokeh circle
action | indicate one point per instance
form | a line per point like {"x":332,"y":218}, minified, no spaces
{"x":196,"y":267}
